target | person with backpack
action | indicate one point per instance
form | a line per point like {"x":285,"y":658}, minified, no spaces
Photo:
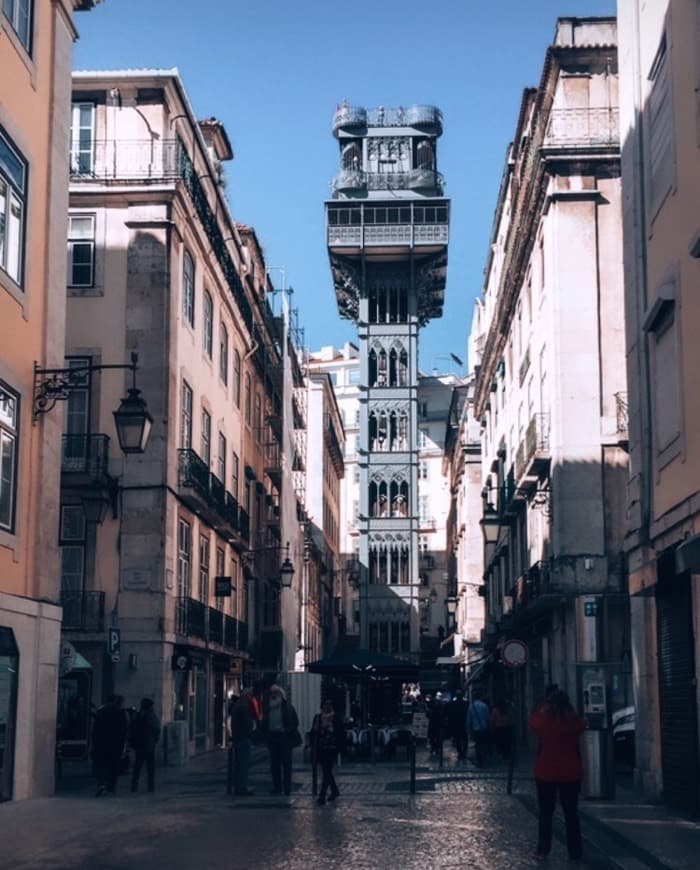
{"x":144,"y":733}
{"x":328,"y":736}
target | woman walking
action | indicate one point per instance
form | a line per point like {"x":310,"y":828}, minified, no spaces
{"x":558,"y":769}
{"x":328,"y":735}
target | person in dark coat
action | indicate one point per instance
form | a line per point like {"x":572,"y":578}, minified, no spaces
{"x":558,"y":769}
{"x":328,"y":736}
{"x":280,"y":725}
{"x":242,"y":727}
{"x":143,"y":737}
{"x":109,"y":731}
{"x":457,"y":724}
{"x":434,"y":709}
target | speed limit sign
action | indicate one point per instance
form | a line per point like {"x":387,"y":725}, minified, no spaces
{"x":514,"y":653}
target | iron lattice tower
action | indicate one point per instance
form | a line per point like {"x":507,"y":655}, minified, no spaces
{"x":387,"y":227}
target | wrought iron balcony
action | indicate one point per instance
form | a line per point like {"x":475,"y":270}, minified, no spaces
{"x":533,"y":455}
{"x":379,"y":235}
{"x":235,"y":634}
{"x":583,"y":128}
{"x":85,"y":455}
{"x":191,"y":618}
{"x":83,"y":611}
{"x":244,"y":524}
{"x":202,"y":490}
{"x":415,"y":179}
{"x":193,"y":472}
{"x":349,"y":118}
{"x":137,"y":160}
{"x":216,"y":626}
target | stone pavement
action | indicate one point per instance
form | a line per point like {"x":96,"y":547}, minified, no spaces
{"x":459,"y":816}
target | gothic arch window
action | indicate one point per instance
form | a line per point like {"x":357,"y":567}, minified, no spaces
{"x":403,"y":369}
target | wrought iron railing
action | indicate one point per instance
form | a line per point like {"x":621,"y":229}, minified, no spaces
{"x":583,"y":127}
{"x":191,"y":617}
{"x":127,"y":160}
{"x":218,"y":494}
{"x":83,"y":611}
{"x":232,"y":510}
{"x":193,"y":472}
{"x":230,"y":632}
{"x":537,"y":435}
{"x":385,"y":234}
{"x":216,"y":626}
{"x":415,"y":116}
{"x":85,"y":454}
{"x":243,"y":523}
{"x":412,"y":179}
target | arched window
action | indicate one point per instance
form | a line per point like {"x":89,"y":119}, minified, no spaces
{"x":188,"y":289}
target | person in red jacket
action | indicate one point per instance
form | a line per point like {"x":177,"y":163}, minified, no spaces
{"x":558,"y":768}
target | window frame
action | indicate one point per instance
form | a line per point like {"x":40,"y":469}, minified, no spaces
{"x":208,"y":324}
{"x":187,"y":400}
{"x":236,"y":378}
{"x":205,"y":437}
{"x":204,"y":568}
{"x":10,"y":432}
{"x":184,"y":558}
{"x":72,"y":243}
{"x":188,"y":288}
{"x":223,"y":353}
{"x":12,"y":18}
{"x":15,"y":181}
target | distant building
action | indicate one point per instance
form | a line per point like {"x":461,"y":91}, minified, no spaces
{"x":659,"y":115}
{"x":36,"y":44}
{"x":387,"y":235}
{"x":549,"y":390}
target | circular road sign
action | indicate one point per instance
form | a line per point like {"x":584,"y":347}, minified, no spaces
{"x":514,"y":653}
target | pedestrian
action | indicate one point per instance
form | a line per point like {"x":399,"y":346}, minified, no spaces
{"x":328,"y":736}
{"x":242,"y":727}
{"x":457,"y":723}
{"x":109,"y":731}
{"x":280,"y":725}
{"x":502,"y":728}
{"x":434,"y":711}
{"x":479,"y":726}
{"x":143,"y":737}
{"x":558,"y":769}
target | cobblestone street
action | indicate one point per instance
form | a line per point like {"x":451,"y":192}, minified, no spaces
{"x":458,"y":817}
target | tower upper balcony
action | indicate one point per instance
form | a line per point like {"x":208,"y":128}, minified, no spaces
{"x":355,"y":120}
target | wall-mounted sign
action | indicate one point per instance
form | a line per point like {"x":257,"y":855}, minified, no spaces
{"x":222,"y":587}
{"x":114,"y":643}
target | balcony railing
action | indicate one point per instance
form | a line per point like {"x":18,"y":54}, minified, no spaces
{"x":216,"y":626}
{"x":87,"y":455}
{"x":537,"y":435}
{"x":235,"y":633}
{"x":206,"y":493}
{"x":193,"y":472}
{"x":127,"y":160}
{"x":414,"y":116}
{"x":584,"y":127}
{"x":83,"y":611}
{"x":413,"y":179}
{"x":191,"y":618}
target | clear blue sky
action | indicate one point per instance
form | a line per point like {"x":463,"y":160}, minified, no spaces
{"x":273,"y":71}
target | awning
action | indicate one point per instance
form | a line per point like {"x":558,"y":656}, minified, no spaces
{"x":365,"y":663}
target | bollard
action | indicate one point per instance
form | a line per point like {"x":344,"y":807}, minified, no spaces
{"x":229,"y":770}
{"x":412,"y":750}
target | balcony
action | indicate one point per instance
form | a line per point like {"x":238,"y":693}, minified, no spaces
{"x":85,"y":457}
{"x":536,"y":591}
{"x":391,"y":235}
{"x":128,"y":160}
{"x":216,"y":626}
{"x":533,"y":455}
{"x":83,"y":611}
{"x":583,"y":128}
{"x":349,"y":118}
{"x":273,"y":463}
{"x":191,"y":618}
{"x":235,"y":634}
{"x":415,"y":179}
{"x":204,"y":493}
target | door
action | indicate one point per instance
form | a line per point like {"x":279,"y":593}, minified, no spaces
{"x":9,"y":668}
{"x":677,"y":700}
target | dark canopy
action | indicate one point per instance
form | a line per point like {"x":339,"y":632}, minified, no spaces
{"x":363,"y":662}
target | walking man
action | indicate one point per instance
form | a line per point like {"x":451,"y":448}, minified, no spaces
{"x":108,"y":743}
{"x":280,"y":724}
{"x":478,"y":724}
{"x":144,"y":734}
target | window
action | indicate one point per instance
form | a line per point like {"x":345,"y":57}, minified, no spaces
{"x":235,"y":466}
{"x":9,"y":432}
{"x":204,"y":568}
{"x":660,"y":128}
{"x":223,"y":353}
{"x":184,"y":554}
{"x":258,"y":413}
{"x":208,"y":324}
{"x":423,"y":471}
{"x":188,"y":289}
{"x":186,"y":421}
{"x":13,"y":194}
{"x":354,"y":376}
{"x":661,"y":325}
{"x":221,"y":466}
{"x":237,"y":378}
{"x":19,"y":14}
{"x":356,"y":474}
{"x":423,"y":508}
{"x":72,"y":541}
{"x":206,"y":436}
{"x":76,"y":420}
{"x":248,"y":399}
{"x":422,"y":438}
{"x":81,"y":250}
{"x":82,"y":139}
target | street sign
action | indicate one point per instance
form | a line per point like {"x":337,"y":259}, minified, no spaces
{"x":114,"y":643}
{"x":514,"y":653}
{"x":420,"y":726}
{"x":222,"y":587}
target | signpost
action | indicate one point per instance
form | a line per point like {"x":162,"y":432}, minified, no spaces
{"x":514,"y":654}
{"x":114,"y":644}
{"x":420,"y":726}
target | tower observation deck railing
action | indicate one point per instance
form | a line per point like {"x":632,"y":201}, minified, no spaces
{"x":413,"y":179}
{"x":388,"y":234}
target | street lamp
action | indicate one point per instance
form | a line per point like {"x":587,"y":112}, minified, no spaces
{"x":132,"y":419}
{"x":286,"y":570}
{"x":490,"y":527}
{"x":451,"y":603}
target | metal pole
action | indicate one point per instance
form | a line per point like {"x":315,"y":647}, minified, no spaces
{"x":229,"y":770}
{"x":412,"y":750}
{"x":513,"y":740}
